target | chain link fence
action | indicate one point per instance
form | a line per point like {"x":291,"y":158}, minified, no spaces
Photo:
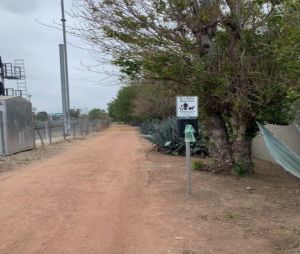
{"x":48,"y":132}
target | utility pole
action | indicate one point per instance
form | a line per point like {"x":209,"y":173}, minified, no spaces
{"x":63,"y":86}
{"x":66,"y":96}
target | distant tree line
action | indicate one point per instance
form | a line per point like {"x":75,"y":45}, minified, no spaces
{"x":75,"y":113}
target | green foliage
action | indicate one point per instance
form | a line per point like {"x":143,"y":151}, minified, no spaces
{"x":212,"y":168}
{"x":197,"y":165}
{"x":283,"y":109}
{"x":74,"y":113}
{"x":241,"y":58}
{"x":96,"y":113}
{"x":120,"y":109}
{"x":166,"y":65}
{"x":129,"y":67}
{"x":149,"y":127}
{"x":240,"y":169}
{"x":42,"y":116}
{"x":167,"y":139}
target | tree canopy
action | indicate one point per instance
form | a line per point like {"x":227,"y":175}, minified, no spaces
{"x":42,"y":116}
{"x":74,"y":113}
{"x":97,"y":113}
{"x":121,"y":107}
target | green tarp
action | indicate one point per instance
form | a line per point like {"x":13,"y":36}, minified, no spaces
{"x":282,"y":154}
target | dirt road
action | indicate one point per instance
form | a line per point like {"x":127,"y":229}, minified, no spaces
{"x":89,"y":200}
{"x":114,"y":194}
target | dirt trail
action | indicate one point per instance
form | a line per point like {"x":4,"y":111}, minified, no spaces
{"x":114,"y":194}
{"x":89,"y":200}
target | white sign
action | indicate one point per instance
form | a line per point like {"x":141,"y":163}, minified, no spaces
{"x":187,"y":106}
{"x":56,"y":114}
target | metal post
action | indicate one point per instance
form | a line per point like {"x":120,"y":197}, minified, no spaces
{"x":46,"y":131}
{"x":50,"y":134}
{"x":188,"y":167}
{"x":66,"y":64}
{"x":81,"y":127}
{"x":64,"y":131}
{"x":63,"y":86}
{"x":42,"y":141}
{"x":33,"y":130}
{"x":74,"y":129}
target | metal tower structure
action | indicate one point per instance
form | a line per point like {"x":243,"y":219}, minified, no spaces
{"x":21,"y":83}
{"x":8,"y":71}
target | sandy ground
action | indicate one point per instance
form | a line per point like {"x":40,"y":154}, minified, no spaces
{"x":114,"y":194}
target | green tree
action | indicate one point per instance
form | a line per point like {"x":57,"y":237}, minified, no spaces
{"x":96,"y":113}
{"x":74,"y":113}
{"x":241,"y":57}
{"x":121,"y":108}
{"x":42,"y":116}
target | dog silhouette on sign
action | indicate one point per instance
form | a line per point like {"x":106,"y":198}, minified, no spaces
{"x":191,"y":108}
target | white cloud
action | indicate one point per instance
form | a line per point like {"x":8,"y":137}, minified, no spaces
{"x":19,"y":7}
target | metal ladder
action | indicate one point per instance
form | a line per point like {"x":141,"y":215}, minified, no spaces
{"x":21,"y":83}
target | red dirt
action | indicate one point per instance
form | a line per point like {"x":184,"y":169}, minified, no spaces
{"x":115,"y":195}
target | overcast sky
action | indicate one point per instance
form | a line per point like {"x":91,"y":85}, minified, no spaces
{"x":21,"y":37}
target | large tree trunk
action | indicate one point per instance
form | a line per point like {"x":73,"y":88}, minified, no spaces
{"x":241,"y":147}
{"x":242,"y":154}
{"x":220,"y":147}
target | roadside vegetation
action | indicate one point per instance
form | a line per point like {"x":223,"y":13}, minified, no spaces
{"x":241,"y":58}
{"x":165,"y":137}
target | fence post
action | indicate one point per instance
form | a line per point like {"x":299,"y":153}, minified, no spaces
{"x":50,"y":134}
{"x":87,"y":128}
{"x":74,"y":135}
{"x":33,"y":130}
{"x":42,"y":141}
{"x":64,"y":132}
{"x":34,"y":145}
{"x":46,"y":130}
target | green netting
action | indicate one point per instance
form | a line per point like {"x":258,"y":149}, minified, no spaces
{"x":282,"y":154}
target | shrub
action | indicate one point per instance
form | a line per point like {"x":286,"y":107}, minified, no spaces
{"x":197,"y":165}
{"x":240,"y":169}
{"x":149,"y":127}
{"x":166,"y":137}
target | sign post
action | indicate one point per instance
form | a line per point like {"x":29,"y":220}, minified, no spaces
{"x":189,"y":137}
{"x":187,"y":114}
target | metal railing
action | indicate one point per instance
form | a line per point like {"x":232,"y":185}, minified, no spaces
{"x":48,"y":132}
